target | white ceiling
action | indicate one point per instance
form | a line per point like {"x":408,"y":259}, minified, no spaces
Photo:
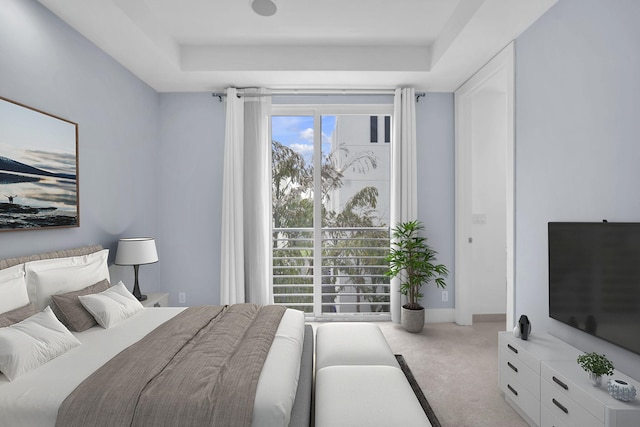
{"x":207,"y":45}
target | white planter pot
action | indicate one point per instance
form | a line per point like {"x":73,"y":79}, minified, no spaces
{"x":595,"y":380}
{"x":413,"y":320}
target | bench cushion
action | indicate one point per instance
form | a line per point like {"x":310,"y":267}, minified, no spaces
{"x":366,"y":396}
{"x":352,"y":344}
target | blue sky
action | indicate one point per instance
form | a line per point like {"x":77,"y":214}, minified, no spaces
{"x":296,"y":132}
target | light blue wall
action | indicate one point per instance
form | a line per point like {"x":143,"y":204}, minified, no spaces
{"x":151,"y":164}
{"x":436,"y":185}
{"x":49,"y":66}
{"x":190,"y":194}
{"x":577,"y":150}
{"x":191,"y":154}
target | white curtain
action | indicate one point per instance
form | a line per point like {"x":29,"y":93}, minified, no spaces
{"x":245,"y":269}
{"x":404,"y":194}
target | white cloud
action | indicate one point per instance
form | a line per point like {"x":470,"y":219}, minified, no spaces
{"x":302,"y":148}
{"x":307,"y":135}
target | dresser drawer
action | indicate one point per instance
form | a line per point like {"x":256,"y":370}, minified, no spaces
{"x":548,"y":419}
{"x":565,"y":409}
{"x":511,"y":364}
{"x":565,"y":385}
{"x":518,"y":349}
{"x":527,"y":402}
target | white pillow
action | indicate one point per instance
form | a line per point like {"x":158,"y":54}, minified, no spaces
{"x":61,"y":275}
{"x":111,"y":306}
{"x":13,"y":288}
{"x":26,"y":345}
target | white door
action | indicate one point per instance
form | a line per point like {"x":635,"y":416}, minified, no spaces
{"x":484,"y":192}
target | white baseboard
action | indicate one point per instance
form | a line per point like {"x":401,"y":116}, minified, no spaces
{"x":495,"y":317}
{"x":439,"y":315}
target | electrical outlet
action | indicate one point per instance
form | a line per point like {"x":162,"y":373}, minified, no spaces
{"x":182,"y":297}
{"x":445,"y":295}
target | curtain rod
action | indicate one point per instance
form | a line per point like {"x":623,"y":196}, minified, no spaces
{"x":320,"y":92}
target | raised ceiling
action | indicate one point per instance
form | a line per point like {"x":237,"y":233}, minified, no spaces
{"x":207,"y":45}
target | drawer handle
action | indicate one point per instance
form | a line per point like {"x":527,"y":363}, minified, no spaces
{"x":512,"y":367}
{"x":560,"y":383}
{"x":560,"y":405}
{"x":515,"y":350}
{"x":512,"y":389}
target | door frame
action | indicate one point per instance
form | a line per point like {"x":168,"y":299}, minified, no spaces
{"x":463,"y":98}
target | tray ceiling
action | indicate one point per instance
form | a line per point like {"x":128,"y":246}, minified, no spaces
{"x":207,"y":45}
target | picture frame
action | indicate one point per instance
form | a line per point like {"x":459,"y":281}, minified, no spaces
{"x":39,"y":186}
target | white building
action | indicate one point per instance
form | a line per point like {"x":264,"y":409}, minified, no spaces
{"x":370,"y":136}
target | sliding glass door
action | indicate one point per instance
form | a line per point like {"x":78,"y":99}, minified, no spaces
{"x":330,"y":193}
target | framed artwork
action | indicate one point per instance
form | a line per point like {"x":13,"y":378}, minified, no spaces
{"x":38,"y":169}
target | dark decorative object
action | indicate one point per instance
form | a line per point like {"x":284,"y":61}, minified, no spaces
{"x":38,"y":169}
{"x":525,"y":327}
{"x":591,"y":325}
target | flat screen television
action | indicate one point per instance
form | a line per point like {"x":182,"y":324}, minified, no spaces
{"x":594,"y":279}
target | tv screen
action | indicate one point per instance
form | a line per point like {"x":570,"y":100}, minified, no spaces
{"x":594,"y":279}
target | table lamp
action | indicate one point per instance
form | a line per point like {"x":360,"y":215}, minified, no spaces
{"x":136,"y":251}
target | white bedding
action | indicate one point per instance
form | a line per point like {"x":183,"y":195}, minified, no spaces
{"x":33,"y":399}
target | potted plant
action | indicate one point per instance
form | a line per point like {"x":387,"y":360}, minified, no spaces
{"x":596,"y":365}
{"x":412,"y":260}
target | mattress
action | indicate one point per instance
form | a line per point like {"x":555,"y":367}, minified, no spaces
{"x":33,"y":399}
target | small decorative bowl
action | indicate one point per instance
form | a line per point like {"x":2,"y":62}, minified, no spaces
{"x":621,"y":390}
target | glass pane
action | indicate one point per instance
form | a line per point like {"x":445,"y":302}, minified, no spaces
{"x":355,"y":214}
{"x":292,"y":198}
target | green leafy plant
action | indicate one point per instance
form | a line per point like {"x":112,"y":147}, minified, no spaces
{"x":412,"y":260}
{"x":596,"y":363}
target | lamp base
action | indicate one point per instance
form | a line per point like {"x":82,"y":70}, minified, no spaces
{"x":136,"y":287}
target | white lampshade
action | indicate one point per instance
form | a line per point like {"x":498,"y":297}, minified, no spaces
{"x":136,"y":251}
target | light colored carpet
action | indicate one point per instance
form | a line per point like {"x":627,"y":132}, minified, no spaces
{"x":457,"y":369}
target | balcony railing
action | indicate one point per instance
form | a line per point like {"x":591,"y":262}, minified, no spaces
{"x":351,"y":279}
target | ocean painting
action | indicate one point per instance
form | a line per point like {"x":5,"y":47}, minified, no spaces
{"x":38,"y":169}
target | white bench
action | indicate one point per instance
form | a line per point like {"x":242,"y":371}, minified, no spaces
{"x":359,"y":382}
{"x":352,"y":344}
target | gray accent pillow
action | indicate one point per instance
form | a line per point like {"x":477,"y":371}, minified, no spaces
{"x":71,"y":313}
{"x":17,"y":315}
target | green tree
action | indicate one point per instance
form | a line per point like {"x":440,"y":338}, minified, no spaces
{"x":293,"y":209}
{"x":361,"y":258}
{"x":292,"y":181}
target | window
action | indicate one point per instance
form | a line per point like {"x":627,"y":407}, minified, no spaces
{"x":331,"y":195}
{"x":387,"y":128}
{"x":374,"y":128}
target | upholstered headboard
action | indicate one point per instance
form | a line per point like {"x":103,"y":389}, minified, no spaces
{"x":84,"y":250}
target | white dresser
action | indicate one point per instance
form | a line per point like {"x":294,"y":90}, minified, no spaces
{"x":543,"y":382}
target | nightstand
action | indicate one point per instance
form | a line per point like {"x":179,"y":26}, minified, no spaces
{"x":156,"y":299}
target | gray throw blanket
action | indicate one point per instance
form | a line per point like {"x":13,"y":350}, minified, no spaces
{"x":200,"y":368}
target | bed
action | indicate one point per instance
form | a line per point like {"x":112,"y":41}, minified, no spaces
{"x":96,"y":368}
